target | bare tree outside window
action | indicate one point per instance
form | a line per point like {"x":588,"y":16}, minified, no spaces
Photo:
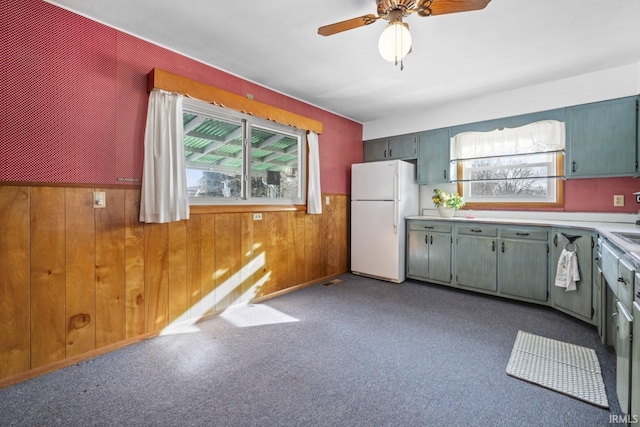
{"x":492,"y":178}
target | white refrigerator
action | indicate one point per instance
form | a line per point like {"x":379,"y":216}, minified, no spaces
{"x":383,"y":194}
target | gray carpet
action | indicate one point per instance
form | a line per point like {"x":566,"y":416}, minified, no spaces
{"x":358,"y":353}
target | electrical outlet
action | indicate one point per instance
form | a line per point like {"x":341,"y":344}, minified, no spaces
{"x":327,"y":200}
{"x":257,"y":217}
{"x":618,"y":200}
{"x":99,"y":199}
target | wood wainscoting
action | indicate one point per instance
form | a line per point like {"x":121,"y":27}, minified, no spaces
{"x":77,"y":281}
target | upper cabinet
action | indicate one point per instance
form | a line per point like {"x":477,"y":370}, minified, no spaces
{"x":401,"y":147}
{"x":601,"y":139}
{"x":433,"y":157}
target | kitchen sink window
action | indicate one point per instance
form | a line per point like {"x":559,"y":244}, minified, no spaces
{"x":522,"y":166}
{"x":235,"y":158}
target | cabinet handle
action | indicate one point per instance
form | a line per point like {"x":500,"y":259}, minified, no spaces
{"x":385,"y":154}
{"x":522,"y":234}
{"x":432,"y":239}
{"x":555,"y":240}
{"x":445,"y":174}
{"x":493,"y":246}
{"x":390,"y":152}
{"x":426,"y":239}
{"x":573,"y":166}
{"x":502,"y":247}
{"x":475,"y":230}
{"x":428,"y":227}
{"x":613,"y":319}
{"x":621,"y":280}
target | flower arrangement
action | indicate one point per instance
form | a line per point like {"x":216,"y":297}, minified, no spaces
{"x":447,"y":200}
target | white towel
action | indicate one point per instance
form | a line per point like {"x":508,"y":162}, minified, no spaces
{"x":567,"y":274}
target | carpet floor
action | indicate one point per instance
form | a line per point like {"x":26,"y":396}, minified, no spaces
{"x":360,"y":352}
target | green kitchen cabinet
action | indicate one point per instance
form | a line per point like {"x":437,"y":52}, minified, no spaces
{"x":429,"y":251}
{"x":523,"y":260}
{"x":434,"y":157}
{"x":477,"y":257}
{"x":400,"y":147}
{"x":602,"y":139}
{"x":578,"y":303}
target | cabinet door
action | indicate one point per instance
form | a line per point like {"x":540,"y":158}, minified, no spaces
{"x":522,"y":268}
{"x":376,"y":149}
{"x":440,"y":257}
{"x":578,"y":302}
{"x":418,"y":255}
{"x":635,"y":361}
{"x":624,"y":323}
{"x":403,"y":147}
{"x":476,"y":262}
{"x":434,"y":157}
{"x":602,"y":139}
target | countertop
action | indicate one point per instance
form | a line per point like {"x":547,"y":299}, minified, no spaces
{"x":605,"y":229}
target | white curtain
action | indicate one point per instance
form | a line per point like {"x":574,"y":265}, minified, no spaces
{"x":538,"y":137}
{"x":314,"y":194}
{"x":164,"y":182}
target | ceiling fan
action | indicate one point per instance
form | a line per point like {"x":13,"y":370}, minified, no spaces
{"x":395,"y":41}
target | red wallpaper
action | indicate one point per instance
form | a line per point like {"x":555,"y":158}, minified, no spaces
{"x":75,"y":104}
{"x":596,"y":195}
{"x":75,"y":101}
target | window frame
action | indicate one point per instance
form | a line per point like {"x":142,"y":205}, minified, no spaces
{"x":248,"y":122}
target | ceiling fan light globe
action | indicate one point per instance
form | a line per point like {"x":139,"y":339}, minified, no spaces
{"x":395,"y":41}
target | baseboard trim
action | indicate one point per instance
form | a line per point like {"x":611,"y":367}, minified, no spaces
{"x":41,"y":370}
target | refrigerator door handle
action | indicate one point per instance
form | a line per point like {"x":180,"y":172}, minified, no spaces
{"x":396,"y":191}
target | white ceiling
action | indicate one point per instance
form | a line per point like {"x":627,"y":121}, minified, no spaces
{"x":508,"y":45}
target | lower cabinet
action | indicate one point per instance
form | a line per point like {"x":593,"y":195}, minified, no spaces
{"x":523,"y":261}
{"x":476,"y":257}
{"x":507,"y":260}
{"x":579,"y":302}
{"x":635,"y":361}
{"x":429,"y":251}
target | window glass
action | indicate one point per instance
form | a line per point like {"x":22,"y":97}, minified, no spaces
{"x":274,"y":164}
{"x":503,"y":179}
{"x":223,"y":167}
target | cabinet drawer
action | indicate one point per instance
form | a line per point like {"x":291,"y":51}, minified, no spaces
{"x":479,"y":231}
{"x":626,"y":280}
{"x":430,"y":226}
{"x":530,"y":234}
{"x":610,"y":258}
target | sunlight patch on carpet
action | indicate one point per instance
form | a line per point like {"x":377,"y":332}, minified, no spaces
{"x":246,"y":315}
{"x":566,"y":368}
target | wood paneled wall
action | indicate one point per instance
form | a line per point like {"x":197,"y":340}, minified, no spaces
{"x":75,"y":280}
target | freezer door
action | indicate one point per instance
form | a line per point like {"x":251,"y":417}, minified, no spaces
{"x":376,"y":250}
{"x":374,"y":181}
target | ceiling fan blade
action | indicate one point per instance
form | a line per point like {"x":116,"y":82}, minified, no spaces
{"x":442,"y":7}
{"x":349,"y":24}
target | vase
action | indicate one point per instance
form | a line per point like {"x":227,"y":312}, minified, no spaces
{"x":446,"y":212}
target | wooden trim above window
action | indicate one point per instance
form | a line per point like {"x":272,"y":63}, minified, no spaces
{"x":161,"y":79}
